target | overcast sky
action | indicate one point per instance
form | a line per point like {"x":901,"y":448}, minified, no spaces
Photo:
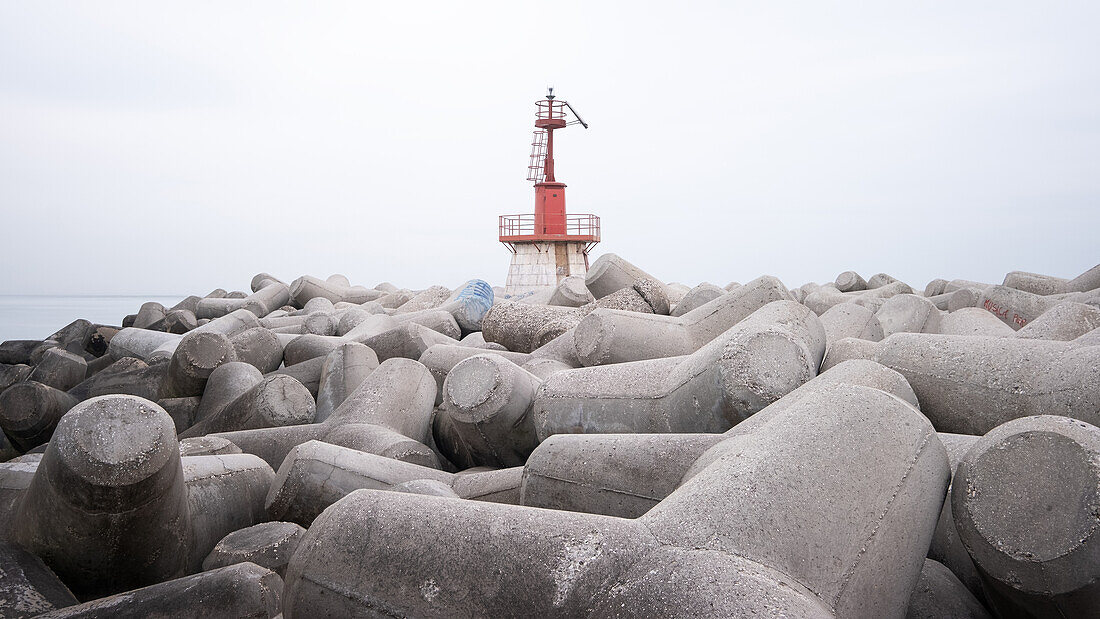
{"x":148,"y":148}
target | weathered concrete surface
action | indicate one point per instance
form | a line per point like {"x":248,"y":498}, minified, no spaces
{"x":388,"y":414}
{"x":30,"y":411}
{"x":315,"y":475}
{"x":731,"y":522}
{"x":241,"y":590}
{"x":1025,"y":501}
{"x":107,"y":507}
{"x":970,"y":385}
{"x":608,"y":336}
{"x":485,"y":419}
{"x":939,"y":594}
{"x":768,"y":354}
{"x":1063,"y":322}
{"x":627,"y":474}
{"x":27,"y":587}
{"x":269,"y":545}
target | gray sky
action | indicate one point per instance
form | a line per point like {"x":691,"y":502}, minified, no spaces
{"x":156,"y":149}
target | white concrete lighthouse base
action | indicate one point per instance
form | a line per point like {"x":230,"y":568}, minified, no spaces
{"x":537,"y":266}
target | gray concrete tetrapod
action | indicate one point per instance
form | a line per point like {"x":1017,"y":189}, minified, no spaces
{"x":610,"y":273}
{"x":625,"y":475}
{"x":30,"y":411}
{"x":850,"y":320}
{"x":610,"y":336}
{"x":850,"y":281}
{"x":277,"y":400}
{"x":344,"y":369}
{"x":827,"y":296}
{"x":225,"y":492}
{"x":227,"y":382}
{"x":1014,"y":307}
{"x":970,"y":385}
{"x":261,"y":303}
{"x":60,"y":369}
{"x":308,"y":287}
{"x":241,"y":590}
{"x":441,"y":358}
{"x":939,"y":594}
{"x":1064,"y":322}
{"x":522,"y":327}
{"x":259,"y":347}
{"x":571,"y":292}
{"x":908,"y":313}
{"x":268,"y":544}
{"x":697,"y":296}
{"x":755,"y":362}
{"x":485,"y":419}
{"x":1025,"y":501}
{"x":27,"y":587}
{"x":973,"y":321}
{"x":721,"y":545}
{"x":198,"y":354}
{"x":430,"y":297}
{"x":946,"y":547}
{"x":388,"y":414}
{"x":107,"y":508}
{"x":315,"y":475}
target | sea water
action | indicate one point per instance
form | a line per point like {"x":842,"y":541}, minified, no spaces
{"x":34,"y":317}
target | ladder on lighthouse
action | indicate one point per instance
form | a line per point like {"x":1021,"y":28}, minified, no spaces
{"x":536,"y":169}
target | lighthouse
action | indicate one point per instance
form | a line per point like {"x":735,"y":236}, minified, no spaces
{"x":547,"y":245}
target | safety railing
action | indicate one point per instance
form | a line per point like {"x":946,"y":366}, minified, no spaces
{"x":527,"y":225}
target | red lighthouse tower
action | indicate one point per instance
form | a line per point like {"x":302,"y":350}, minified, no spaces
{"x":549,"y":245}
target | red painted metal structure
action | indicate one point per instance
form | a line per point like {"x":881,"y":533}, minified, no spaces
{"x":549,"y":221}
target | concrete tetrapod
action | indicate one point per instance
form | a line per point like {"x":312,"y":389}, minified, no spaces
{"x":571,"y":292}
{"x":610,"y":336}
{"x":30,"y":411}
{"x":275,"y":401}
{"x":946,"y":547}
{"x":522,"y":327}
{"x":939,"y":594}
{"x":315,"y":475}
{"x":908,"y":313}
{"x":227,"y":382}
{"x":261,"y":302}
{"x":827,"y":296}
{"x":970,"y":385}
{"x":850,"y":320}
{"x":755,"y":362}
{"x":1014,"y":307}
{"x":344,"y":369}
{"x":198,"y":354}
{"x":107,"y":507}
{"x":259,"y":347}
{"x":1025,"y":501}
{"x":232,"y":592}
{"x":388,"y":414}
{"x":1064,"y":322}
{"x":268,"y":544}
{"x":308,"y":287}
{"x":440,"y":359}
{"x":27,"y":587}
{"x":150,"y":345}
{"x":485,"y":419}
{"x":610,"y":273}
{"x":850,"y":281}
{"x":973,"y":321}
{"x":60,"y":369}
{"x":625,"y":475}
{"x":754,"y":533}
{"x":696,"y":297}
